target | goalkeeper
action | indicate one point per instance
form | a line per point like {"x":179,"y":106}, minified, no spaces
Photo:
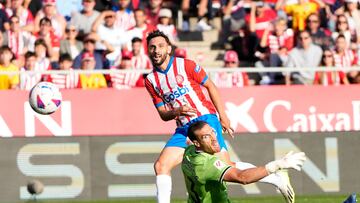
{"x":204,"y":172}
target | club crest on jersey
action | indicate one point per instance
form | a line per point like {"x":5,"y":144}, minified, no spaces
{"x":179,"y":79}
{"x":219,"y":164}
{"x":197,"y":68}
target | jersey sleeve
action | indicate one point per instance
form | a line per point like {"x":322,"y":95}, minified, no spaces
{"x":216,"y":169}
{"x":196,"y":72}
{"x":157,"y":100}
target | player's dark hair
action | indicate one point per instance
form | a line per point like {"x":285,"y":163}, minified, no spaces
{"x":157,"y":33}
{"x":194,"y":127}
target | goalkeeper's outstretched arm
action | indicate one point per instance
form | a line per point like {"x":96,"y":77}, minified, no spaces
{"x":289,"y":161}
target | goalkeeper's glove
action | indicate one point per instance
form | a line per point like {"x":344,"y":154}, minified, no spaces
{"x":290,"y":160}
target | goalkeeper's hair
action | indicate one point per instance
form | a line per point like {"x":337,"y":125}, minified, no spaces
{"x":194,"y":127}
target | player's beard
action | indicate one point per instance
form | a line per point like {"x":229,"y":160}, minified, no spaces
{"x":158,"y":62}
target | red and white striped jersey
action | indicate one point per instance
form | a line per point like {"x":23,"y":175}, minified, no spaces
{"x":126,"y":80}
{"x":180,"y":84}
{"x":348,"y":59}
{"x":125,"y":20}
{"x":19,"y":42}
{"x":329,"y":78}
{"x":27,"y":81}
{"x":141,"y":61}
{"x":285,"y":40}
{"x":65,"y":81}
{"x":25,"y":16}
{"x":235,"y":79}
{"x":42,"y":64}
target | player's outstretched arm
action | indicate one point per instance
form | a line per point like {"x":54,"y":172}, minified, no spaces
{"x":290,"y":160}
{"x":246,"y":176}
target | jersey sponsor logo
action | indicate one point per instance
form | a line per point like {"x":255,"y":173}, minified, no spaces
{"x":197,"y":68}
{"x":179,"y":92}
{"x":219,"y":164}
{"x":179,"y":79}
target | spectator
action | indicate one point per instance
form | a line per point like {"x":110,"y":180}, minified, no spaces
{"x":301,"y":10}
{"x":7,"y":81}
{"x":279,"y":36}
{"x":152,"y":12}
{"x":139,"y":59}
{"x":203,"y":7}
{"x":4,"y":21}
{"x":108,"y":32}
{"x":318,"y":35}
{"x":19,"y":41}
{"x":58,"y":21}
{"x":342,"y":28}
{"x":329,"y":77}
{"x":166,"y":26}
{"x":90,"y":80}
{"x":42,"y":59}
{"x":126,"y":80}
{"x":27,"y":81}
{"x":84,"y":19}
{"x":141,"y":29}
{"x":260,"y":18}
{"x":70,"y":45}
{"x":33,"y":5}
{"x":244,"y":43}
{"x":52,"y":41}
{"x":275,"y":44}
{"x":124,"y":16}
{"x":65,"y":80}
{"x":305,"y":54}
{"x":345,"y":57}
{"x":353,"y":17}
{"x":26,"y":19}
{"x":231,"y":79}
{"x":99,"y":55}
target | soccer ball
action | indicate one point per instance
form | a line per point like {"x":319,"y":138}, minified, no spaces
{"x":45,"y":98}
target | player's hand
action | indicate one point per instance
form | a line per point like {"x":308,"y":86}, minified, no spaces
{"x":225,"y":123}
{"x":290,"y":160}
{"x":186,"y":110}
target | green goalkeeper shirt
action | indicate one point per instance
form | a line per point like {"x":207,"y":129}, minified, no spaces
{"x":203,"y":175}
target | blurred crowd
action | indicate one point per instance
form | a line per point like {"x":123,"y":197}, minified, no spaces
{"x":68,"y":35}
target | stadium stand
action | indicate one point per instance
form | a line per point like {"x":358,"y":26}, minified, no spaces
{"x":262,"y":33}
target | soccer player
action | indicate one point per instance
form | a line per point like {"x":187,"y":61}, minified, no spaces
{"x":204,"y":172}
{"x":175,"y":87}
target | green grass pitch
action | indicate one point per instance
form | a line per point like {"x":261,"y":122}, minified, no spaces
{"x":278,"y":199}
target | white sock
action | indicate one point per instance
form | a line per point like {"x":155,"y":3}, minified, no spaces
{"x":271,"y":179}
{"x":163,"y":185}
